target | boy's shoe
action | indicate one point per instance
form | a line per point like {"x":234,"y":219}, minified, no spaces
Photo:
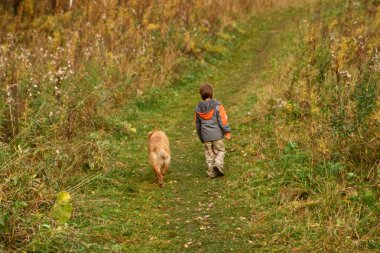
{"x":212,"y":174}
{"x":219,"y":172}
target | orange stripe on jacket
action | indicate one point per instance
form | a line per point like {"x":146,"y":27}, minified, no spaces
{"x":207,"y":115}
{"x":223,"y":115}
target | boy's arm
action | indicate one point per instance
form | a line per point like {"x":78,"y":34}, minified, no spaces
{"x":223,"y":122}
{"x":198,"y":126}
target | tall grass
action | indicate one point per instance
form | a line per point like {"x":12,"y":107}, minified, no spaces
{"x":325,"y":127}
{"x":65,"y":70}
{"x":335,"y":87}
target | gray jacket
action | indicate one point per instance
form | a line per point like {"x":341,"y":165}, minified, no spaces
{"x":211,"y":120}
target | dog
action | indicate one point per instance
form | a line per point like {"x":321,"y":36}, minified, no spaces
{"x":159,"y":154}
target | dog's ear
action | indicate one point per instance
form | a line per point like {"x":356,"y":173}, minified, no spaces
{"x":150,"y":134}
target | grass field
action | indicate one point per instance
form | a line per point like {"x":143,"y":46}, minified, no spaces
{"x":265,"y":203}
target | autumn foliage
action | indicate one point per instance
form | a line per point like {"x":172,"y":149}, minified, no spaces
{"x":67,"y":66}
{"x":334,"y":88}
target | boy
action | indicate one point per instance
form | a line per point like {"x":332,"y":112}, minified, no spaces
{"x":212,"y":126}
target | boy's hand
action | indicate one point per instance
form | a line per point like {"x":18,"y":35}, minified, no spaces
{"x":228,"y":136}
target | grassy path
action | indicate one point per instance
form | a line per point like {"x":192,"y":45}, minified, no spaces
{"x":125,"y":211}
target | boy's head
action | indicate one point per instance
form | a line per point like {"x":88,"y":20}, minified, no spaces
{"x":206,"y":91}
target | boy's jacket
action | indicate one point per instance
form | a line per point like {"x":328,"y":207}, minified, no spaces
{"x":211,"y":120}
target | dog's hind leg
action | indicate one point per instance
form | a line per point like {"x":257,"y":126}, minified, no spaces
{"x":165,"y":166}
{"x":164,"y":169}
{"x":159,"y":176}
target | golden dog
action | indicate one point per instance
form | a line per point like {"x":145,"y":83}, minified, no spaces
{"x":159,"y":154}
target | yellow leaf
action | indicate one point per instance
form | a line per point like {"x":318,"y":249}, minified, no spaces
{"x":62,"y":208}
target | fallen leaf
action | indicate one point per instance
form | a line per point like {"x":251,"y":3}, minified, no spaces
{"x":62,"y":208}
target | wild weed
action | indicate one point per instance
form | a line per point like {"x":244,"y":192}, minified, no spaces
{"x":326,"y":122}
{"x":66,"y":67}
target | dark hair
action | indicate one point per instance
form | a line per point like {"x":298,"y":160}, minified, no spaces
{"x":206,"y":91}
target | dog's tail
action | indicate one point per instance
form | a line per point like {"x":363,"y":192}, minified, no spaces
{"x":163,"y":154}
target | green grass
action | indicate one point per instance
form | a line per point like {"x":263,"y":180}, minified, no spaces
{"x":125,"y":210}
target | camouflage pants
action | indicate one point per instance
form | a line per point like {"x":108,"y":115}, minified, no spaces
{"x":214,"y":152}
